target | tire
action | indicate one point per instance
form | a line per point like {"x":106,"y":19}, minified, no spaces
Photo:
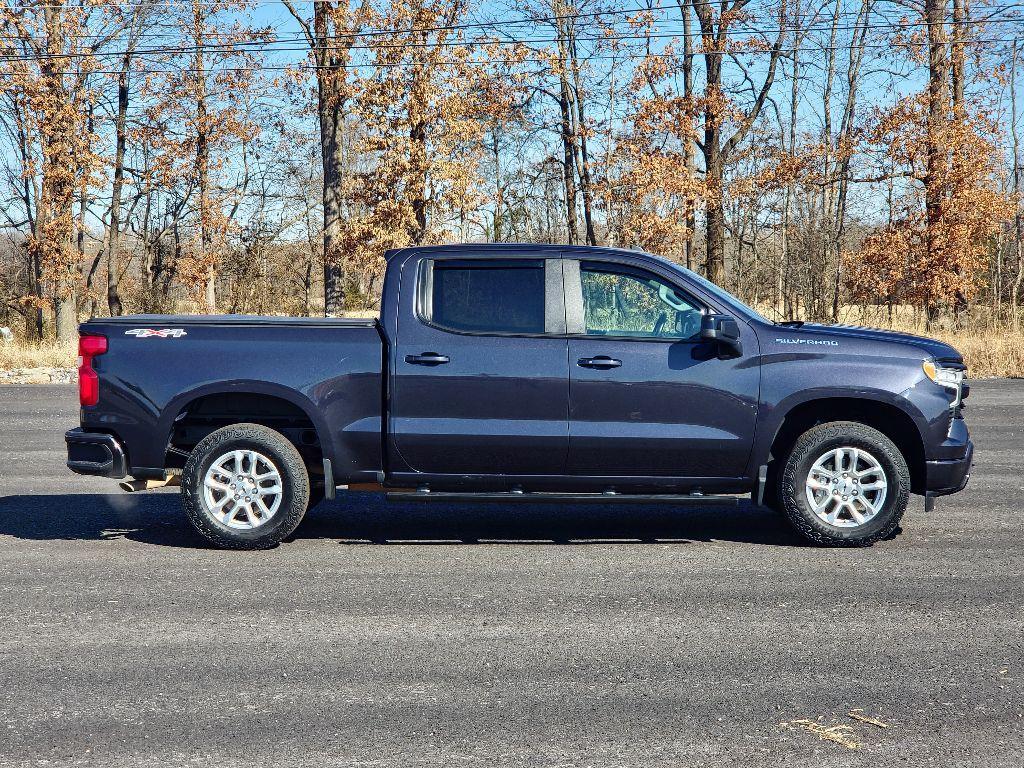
{"x":212,"y":476}
{"x":832,"y":507}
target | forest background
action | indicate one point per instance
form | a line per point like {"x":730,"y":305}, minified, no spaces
{"x":851,"y":161}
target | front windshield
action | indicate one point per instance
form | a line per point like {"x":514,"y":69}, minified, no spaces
{"x":720,"y":293}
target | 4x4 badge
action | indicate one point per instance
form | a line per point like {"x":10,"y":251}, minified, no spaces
{"x":160,"y":333}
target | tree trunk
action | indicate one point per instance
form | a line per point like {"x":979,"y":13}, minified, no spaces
{"x":1017,"y":222}
{"x":718,"y":150}
{"x":417,"y":114}
{"x":846,"y":128}
{"x":714,"y":265}
{"x":203,"y":161}
{"x":565,"y":108}
{"x":114,"y":238}
{"x":580,"y":129}
{"x":83,"y":207}
{"x":828,"y":209}
{"x":36,"y":271}
{"x":794,"y":102}
{"x":329,"y":108}
{"x":568,"y":163}
{"x":938,"y":79}
{"x":689,"y":161}
{"x":714,"y":174}
{"x":55,"y":214}
{"x":959,"y":114}
{"x":499,"y":189}
{"x":330,"y":38}
{"x":957,"y":58}
{"x":715,"y":226}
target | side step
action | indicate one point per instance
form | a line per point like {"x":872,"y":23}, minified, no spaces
{"x":591,"y":498}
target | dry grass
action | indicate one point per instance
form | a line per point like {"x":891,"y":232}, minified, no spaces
{"x":988,"y":354}
{"x":17,"y":354}
{"x":839,"y":734}
{"x":858,"y":714}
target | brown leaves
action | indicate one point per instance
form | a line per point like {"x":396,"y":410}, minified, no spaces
{"x":48,"y":73}
{"x":423,"y":105}
{"x":652,"y":184}
{"x":912,"y":260}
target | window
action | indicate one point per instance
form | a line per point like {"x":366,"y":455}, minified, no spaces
{"x":493,"y":296}
{"x":635,"y":304}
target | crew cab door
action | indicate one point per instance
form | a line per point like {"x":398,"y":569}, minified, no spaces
{"x":648,"y":397}
{"x":480,"y":369}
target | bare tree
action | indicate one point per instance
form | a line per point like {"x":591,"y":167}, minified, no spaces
{"x":718,"y":148}
{"x":330,"y":36}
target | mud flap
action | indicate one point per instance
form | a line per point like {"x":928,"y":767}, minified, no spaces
{"x":329,"y":487}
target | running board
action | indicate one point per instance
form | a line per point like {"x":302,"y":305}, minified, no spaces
{"x":592,"y":498}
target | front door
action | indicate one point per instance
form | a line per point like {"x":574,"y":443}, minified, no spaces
{"x":480,"y":381}
{"x":647,"y":396}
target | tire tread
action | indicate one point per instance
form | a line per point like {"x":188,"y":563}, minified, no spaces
{"x":293,"y":473}
{"x":791,"y":485}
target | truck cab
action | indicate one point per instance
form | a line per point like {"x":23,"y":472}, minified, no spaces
{"x":566,"y":369}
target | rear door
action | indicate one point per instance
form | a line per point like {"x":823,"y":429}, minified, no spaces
{"x":480,"y":382}
{"x":647,"y":396}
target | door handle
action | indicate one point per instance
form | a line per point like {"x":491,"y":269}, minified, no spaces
{"x":599,"y":362}
{"x":427,"y":358}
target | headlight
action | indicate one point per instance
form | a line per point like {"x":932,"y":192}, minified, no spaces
{"x":950,"y":378}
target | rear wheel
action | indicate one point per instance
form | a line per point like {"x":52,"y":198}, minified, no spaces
{"x":245,"y":487}
{"x":844,"y":484}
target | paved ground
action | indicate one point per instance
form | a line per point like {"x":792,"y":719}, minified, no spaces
{"x":542,"y":636}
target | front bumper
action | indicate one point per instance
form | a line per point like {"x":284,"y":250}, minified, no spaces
{"x":95,"y":453}
{"x":950,"y":475}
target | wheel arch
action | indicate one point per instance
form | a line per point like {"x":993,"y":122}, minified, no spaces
{"x":247,"y":401}
{"x":888,"y":418}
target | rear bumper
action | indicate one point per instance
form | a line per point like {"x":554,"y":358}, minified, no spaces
{"x":950,"y":475}
{"x":94,"y":453}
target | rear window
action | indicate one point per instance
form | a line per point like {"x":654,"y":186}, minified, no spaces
{"x":488,"y":296}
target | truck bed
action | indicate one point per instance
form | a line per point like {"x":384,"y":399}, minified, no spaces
{"x":164,"y":374}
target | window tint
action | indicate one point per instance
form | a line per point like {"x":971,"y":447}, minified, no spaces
{"x":486,"y":296}
{"x":635,"y":304}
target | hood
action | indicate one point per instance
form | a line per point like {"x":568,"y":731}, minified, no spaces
{"x":937,"y":349}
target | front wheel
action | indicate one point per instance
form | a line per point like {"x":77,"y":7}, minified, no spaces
{"x":844,"y":484}
{"x":245,"y":487}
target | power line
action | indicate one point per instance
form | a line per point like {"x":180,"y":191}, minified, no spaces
{"x":826,"y":18}
{"x":666,"y":20}
{"x":471,"y":63}
{"x":244,"y":45}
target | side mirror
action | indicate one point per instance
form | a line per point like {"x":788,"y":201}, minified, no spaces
{"x":725,"y":332}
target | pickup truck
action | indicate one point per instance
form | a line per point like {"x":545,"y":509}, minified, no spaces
{"x":524,"y":372}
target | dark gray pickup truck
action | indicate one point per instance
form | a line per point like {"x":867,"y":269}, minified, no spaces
{"x":524,"y":372}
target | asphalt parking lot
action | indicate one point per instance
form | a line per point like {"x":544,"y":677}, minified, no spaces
{"x":542,"y":635}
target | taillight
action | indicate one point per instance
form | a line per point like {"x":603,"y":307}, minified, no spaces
{"x":88,"y":380}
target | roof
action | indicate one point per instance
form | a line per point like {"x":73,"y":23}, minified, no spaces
{"x":498,"y":250}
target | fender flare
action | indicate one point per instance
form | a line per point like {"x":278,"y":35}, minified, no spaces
{"x":768,"y":429}
{"x":173,"y":410}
